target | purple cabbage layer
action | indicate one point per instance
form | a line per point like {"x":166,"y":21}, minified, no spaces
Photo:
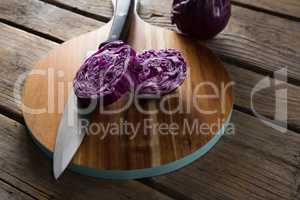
{"x":105,"y":75}
{"x":159,"y":72}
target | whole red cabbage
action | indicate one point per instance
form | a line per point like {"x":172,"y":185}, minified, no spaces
{"x":159,"y":72}
{"x":104,"y":75}
{"x":203,"y":19}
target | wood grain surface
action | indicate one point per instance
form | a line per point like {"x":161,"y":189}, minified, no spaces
{"x":26,"y":169}
{"x":148,"y":148}
{"x":38,"y":16}
{"x":257,"y":163}
{"x":289,"y":8}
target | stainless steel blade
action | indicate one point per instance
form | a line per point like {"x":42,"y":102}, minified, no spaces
{"x":70,"y":135}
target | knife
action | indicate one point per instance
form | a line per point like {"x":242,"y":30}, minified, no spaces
{"x":70,"y":133}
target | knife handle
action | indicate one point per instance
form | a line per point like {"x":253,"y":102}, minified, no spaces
{"x":121,"y":20}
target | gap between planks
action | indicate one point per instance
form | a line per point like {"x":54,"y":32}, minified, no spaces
{"x":107,"y":17}
{"x":256,"y":69}
{"x":77,"y":10}
{"x":32,"y":31}
{"x":17,"y":189}
{"x":270,"y":12}
{"x":247,"y":111}
{"x":18,"y":183}
{"x":8,"y":191}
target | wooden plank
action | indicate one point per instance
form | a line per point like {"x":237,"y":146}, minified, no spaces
{"x":102,"y":8}
{"x":20,"y":52}
{"x":256,"y":163}
{"x":11,"y":193}
{"x":284,"y":7}
{"x":47,"y":19}
{"x":20,"y":160}
{"x":262,"y":41}
{"x":22,"y":186}
{"x":264,"y":101}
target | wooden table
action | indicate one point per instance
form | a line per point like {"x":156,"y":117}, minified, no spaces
{"x":258,"y":162}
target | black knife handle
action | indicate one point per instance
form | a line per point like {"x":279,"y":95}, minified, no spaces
{"x":121,"y":20}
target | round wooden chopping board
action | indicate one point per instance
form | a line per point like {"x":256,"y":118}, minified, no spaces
{"x":199,"y":111}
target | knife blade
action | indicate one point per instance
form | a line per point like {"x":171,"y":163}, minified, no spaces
{"x":70,"y":135}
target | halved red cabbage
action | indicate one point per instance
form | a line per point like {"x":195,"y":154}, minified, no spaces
{"x":105,"y":74}
{"x":158,"y":72}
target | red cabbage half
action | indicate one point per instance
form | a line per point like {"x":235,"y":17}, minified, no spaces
{"x":105,"y":74}
{"x":158,"y":72}
{"x":203,"y":19}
